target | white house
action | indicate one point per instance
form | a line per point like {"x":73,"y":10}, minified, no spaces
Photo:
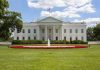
{"x":53,"y":29}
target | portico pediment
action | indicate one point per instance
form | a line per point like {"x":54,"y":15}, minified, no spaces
{"x":49,"y":19}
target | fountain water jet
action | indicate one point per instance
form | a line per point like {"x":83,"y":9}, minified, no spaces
{"x":48,"y":42}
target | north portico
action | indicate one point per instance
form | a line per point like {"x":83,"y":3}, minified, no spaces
{"x":53,"y":29}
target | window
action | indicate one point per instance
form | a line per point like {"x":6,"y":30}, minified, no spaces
{"x":18,"y":31}
{"x":70,"y":39}
{"x":23,"y":38}
{"x":34,"y":30}
{"x":82,"y":30}
{"x":64,"y":38}
{"x":23,"y":30}
{"x":64,"y":30}
{"x":17,"y":38}
{"x":43,"y":31}
{"x":34,"y":37}
{"x":56,"y":38}
{"x":76,"y":30}
{"x":76,"y":38}
{"x":56,"y":30}
{"x":49,"y":30}
{"x":28,"y":30}
{"x":28,"y":38}
{"x":43,"y":38}
{"x":82,"y":38}
{"x":70,"y":30}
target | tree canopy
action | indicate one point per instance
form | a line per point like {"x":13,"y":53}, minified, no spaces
{"x":9,"y":20}
{"x":93,"y":33}
{"x":96,"y":31}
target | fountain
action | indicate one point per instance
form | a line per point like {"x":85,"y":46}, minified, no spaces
{"x":48,"y":46}
{"x":48,"y":42}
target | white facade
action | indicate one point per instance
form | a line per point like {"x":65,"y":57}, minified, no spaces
{"x":53,"y":29}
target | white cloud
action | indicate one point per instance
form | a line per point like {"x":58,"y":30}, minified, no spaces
{"x":88,"y":20}
{"x":45,"y":4}
{"x":59,"y":14}
{"x":71,"y":8}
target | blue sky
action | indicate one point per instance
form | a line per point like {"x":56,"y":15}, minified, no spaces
{"x":87,"y":10}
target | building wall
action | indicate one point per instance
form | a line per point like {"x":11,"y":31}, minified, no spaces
{"x":53,"y":24}
{"x":61,"y":33}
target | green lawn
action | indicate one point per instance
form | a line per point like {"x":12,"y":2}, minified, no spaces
{"x":50,"y":59}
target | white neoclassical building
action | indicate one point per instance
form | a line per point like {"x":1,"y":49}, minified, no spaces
{"x":53,"y":29}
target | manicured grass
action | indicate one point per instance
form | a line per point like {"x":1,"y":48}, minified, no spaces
{"x":50,"y":59}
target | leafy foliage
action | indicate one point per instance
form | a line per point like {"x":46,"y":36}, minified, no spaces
{"x":9,"y":20}
{"x":90,"y":34}
{"x":96,"y":31}
{"x":93,"y":33}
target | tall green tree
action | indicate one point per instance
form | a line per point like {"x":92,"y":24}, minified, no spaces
{"x":96,"y":31}
{"x":90,"y":34}
{"x":9,"y":20}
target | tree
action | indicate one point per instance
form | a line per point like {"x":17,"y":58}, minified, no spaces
{"x":96,"y":31}
{"x":90,"y":34}
{"x":9,"y":20}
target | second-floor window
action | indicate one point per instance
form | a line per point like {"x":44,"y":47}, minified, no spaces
{"x":64,"y":30}
{"x":43,"y":31}
{"x":23,"y":30}
{"x":82,"y":30}
{"x":70,"y":30}
{"x":76,"y":30}
{"x":56,"y":30}
{"x":34,"y":30}
{"x":29,"y":30}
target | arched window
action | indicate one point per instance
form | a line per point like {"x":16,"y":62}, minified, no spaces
{"x":56,"y":38}
{"x":65,"y":38}
{"x":76,"y":38}
{"x":70,"y":39}
{"x":43,"y":38}
{"x":82,"y":38}
{"x":34,"y":37}
{"x":29,"y":38}
{"x":23,"y":38}
{"x":17,"y":38}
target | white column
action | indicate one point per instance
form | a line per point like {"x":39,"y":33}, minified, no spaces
{"x":38,"y":34}
{"x":46,"y":38}
{"x":62,"y":32}
{"x":53,"y":32}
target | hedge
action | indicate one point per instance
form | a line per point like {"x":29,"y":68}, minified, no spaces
{"x":45,"y":42}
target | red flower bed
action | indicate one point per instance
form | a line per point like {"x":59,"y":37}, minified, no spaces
{"x":46,"y":47}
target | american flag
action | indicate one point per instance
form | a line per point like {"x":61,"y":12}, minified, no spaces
{"x":49,"y":9}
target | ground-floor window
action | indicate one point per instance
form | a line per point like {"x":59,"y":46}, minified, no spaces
{"x":76,"y":38}
{"x":34,"y":37}
{"x":43,"y":38}
{"x":29,"y":38}
{"x":23,"y":38}
{"x":64,"y":38}
{"x":70,"y":39}
{"x":56,"y":38}
{"x":82,"y":38}
{"x":17,"y":38}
